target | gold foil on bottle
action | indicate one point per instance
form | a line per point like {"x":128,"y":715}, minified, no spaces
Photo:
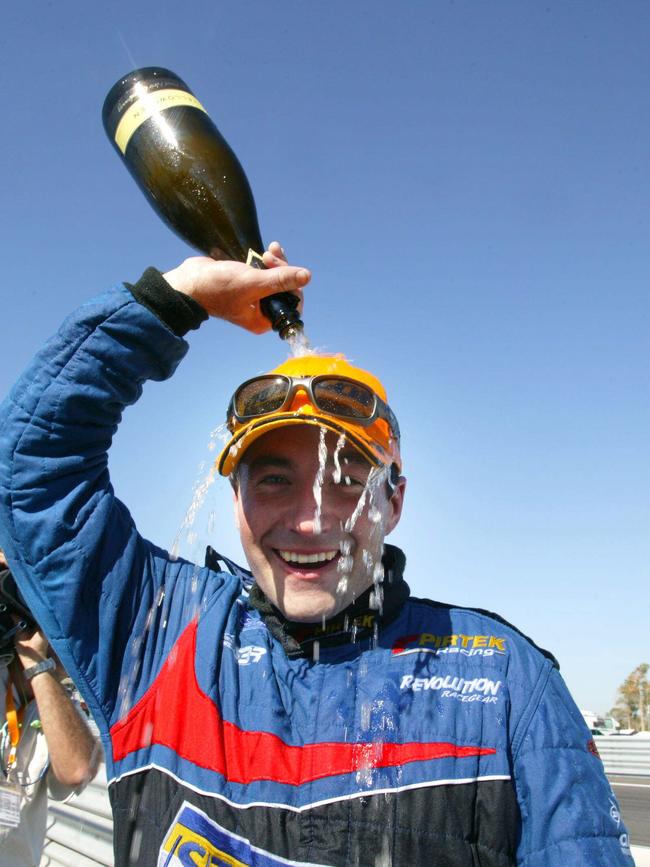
{"x":255,"y":260}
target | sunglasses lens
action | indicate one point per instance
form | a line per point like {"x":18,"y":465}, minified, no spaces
{"x":261,"y":396}
{"x":343,"y":398}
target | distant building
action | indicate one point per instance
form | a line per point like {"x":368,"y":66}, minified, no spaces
{"x":600,"y":725}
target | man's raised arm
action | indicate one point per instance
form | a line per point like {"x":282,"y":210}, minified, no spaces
{"x":83,"y":568}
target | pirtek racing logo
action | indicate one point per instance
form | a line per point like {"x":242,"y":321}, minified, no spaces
{"x":480,"y":689}
{"x":465,"y":645}
{"x":194,"y":839}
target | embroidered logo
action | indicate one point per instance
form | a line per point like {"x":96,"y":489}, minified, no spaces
{"x":473,"y":689}
{"x":465,"y":645}
{"x":250,"y":653}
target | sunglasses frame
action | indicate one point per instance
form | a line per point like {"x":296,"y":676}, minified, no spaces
{"x":380,"y":407}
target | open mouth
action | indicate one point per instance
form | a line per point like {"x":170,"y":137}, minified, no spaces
{"x":307,"y":562}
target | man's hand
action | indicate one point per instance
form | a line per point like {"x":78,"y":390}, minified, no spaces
{"x":31,"y":646}
{"x":232,"y":290}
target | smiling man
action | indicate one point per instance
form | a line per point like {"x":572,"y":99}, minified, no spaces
{"x":314,"y":462}
{"x":308,"y":711}
{"x":294,"y":547}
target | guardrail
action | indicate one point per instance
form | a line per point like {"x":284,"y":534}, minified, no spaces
{"x":80,"y":833}
{"x":625,"y":754}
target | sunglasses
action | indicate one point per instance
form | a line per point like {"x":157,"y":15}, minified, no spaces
{"x":337,"y":396}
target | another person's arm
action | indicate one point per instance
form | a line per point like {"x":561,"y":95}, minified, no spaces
{"x":73,"y":750}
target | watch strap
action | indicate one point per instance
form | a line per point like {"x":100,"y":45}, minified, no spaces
{"x":44,"y":665}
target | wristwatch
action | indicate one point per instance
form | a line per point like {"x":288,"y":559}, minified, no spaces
{"x":39,"y":668}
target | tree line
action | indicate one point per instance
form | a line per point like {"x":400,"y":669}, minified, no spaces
{"x":632,"y":708}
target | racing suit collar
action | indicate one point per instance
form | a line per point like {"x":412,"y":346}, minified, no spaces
{"x":356,"y":622}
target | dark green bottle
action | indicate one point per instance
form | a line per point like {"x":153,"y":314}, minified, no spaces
{"x":190,"y":174}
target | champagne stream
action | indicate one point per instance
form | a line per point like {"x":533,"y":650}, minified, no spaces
{"x":299,"y":344}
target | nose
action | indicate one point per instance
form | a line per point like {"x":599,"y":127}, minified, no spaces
{"x":311,"y":514}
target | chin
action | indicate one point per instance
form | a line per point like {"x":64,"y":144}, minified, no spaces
{"x":309,"y":611}
{"x":304,"y":600}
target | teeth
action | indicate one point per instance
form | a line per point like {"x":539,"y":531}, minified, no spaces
{"x":303,"y":559}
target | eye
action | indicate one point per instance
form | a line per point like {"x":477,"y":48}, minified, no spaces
{"x":349,"y":481}
{"x":273,"y":479}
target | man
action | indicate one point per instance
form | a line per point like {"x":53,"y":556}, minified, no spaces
{"x":46,"y":745}
{"x":324,"y":717}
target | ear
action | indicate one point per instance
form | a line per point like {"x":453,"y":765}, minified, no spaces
{"x":395,"y":504}
{"x":235,"y":505}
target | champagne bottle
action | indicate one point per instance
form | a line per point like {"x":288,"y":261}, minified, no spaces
{"x":190,"y":174}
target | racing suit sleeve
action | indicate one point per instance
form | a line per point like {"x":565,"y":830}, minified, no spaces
{"x":92,"y":582}
{"x":569,"y":814}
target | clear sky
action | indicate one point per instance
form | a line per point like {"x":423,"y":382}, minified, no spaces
{"x":470,"y":184}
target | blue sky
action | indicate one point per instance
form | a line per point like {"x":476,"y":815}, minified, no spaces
{"x":470,"y":185}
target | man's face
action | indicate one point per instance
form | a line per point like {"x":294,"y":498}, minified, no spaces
{"x":313,"y":548}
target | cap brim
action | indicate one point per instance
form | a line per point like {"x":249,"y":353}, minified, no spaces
{"x":244,"y":438}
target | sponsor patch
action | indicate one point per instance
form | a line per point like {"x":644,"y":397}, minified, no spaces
{"x":465,"y":645}
{"x":194,"y":840}
{"x":250,"y":653}
{"x":476,"y":689}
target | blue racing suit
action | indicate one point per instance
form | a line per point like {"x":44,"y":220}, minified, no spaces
{"x":424,"y":734}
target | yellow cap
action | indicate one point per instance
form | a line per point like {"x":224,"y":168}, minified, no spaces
{"x":376,"y":441}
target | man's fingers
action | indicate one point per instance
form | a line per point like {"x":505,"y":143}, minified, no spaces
{"x":274,"y":256}
{"x":284,"y":278}
{"x":277,"y":250}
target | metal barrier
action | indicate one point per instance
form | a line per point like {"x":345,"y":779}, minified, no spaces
{"x":625,"y":755}
{"x":80,"y":833}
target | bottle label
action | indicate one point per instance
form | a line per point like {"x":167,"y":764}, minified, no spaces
{"x":146,"y":106}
